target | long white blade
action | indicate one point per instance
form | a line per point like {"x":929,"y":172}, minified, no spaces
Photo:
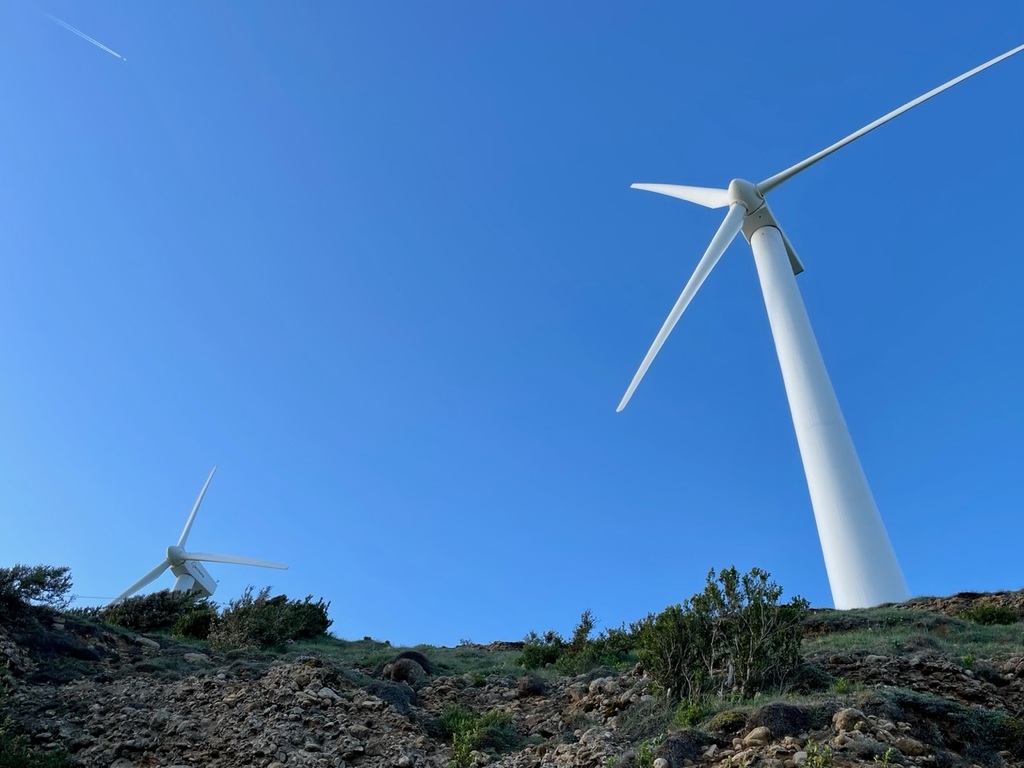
{"x":769,"y":184}
{"x":709,"y":197}
{"x":208,"y":557}
{"x":151,"y":576}
{"x":195,"y":508}
{"x":725,"y":234}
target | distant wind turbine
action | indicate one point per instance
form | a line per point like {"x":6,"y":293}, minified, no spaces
{"x":859,"y":558}
{"x":187,"y":565}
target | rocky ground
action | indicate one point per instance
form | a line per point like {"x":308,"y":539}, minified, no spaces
{"x":113,"y":698}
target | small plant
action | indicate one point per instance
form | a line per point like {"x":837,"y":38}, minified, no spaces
{"x":690,"y":713}
{"x":887,"y":758}
{"x":471,"y":732}
{"x":647,"y":751}
{"x":818,"y":755}
{"x":988,"y":614}
{"x":968,"y":661}
{"x":841,"y":686}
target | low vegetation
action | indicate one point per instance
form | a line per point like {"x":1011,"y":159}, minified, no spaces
{"x":28,"y":585}
{"x":718,"y":662}
{"x":735,"y":637}
{"x":261,"y":621}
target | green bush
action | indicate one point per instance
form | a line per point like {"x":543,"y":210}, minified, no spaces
{"x":308,"y":619}
{"x":262,"y":621}
{"x":988,"y":614}
{"x":23,"y":585}
{"x":470,"y":731}
{"x":196,"y":624}
{"x":732,"y":637}
{"x":15,"y":753}
{"x":582,"y":653}
{"x":539,"y":652}
{"x":156,"y":611}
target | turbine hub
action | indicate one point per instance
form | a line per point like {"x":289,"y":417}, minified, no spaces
{"x":176,"y":555}
{"x":746,"y":194}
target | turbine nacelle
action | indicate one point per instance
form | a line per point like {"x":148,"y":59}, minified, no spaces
{"x":192,"y":576}
{"x":745,"y":193}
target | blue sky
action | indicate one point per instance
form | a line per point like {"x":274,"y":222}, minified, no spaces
{"x":381,"y":264}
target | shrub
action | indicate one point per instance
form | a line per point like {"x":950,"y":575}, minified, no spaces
{"x":156,"y":611}
{"x":581,"y":653}
{"x":15,"y":753}
{"x":471,"y":732}
{"x":22,"y":585}
{"x":196,"y":624}
{"x":988,"y":614}
{"x":539,"y":651}
{"x":262,"y":621}
{"x":308,"y":619}
{"x":733,"y":636}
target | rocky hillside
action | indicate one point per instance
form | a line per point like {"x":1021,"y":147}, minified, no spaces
{"x":911,"y":685}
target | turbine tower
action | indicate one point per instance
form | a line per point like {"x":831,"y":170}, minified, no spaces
{"x":859,"y":558}
{"x":187,"y":566}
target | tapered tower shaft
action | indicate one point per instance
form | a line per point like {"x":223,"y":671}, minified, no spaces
{"x":859,"y":558}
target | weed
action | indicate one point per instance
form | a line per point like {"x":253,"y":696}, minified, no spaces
{"x":841,"y":686}
{"x":818,"y":755}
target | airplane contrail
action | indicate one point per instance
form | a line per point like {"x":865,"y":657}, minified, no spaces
{"x":84,"y":36}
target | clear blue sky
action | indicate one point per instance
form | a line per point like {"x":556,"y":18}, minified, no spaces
{"x":381,"y":264}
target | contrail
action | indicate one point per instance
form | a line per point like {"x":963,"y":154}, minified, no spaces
{"x":84,"y":36}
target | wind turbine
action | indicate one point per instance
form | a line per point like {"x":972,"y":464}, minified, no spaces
{"x":859,"y":558}
{"x":187,"y":565}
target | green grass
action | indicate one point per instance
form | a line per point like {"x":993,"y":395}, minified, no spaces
{"x":888,"y":631}
{"x":369,"y":654}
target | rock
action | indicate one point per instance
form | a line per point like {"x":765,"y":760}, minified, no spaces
{"x":681,"y":748}
{"x":847,"y":719}
{"x":407,"y":671}
{"x":911,"y":747}
{"x":781,"y":719}
{"x":661,"y":762}
{"x":145,"y":642}
{"x":758,"y":737}
{"x":196,"y":659}
{"x":531,"y":685}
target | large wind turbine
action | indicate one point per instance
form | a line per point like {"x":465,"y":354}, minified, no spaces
{"x":187,"y":566}
{"x":862,"y":567}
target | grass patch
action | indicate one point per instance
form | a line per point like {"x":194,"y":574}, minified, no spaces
{"x":888,"y":631}
{"x":368,"y":654}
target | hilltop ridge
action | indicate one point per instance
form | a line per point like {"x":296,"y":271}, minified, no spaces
{"x":914,"y":684}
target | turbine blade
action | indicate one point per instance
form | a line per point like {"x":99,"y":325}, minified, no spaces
{"x":770,"y":183}
{"x":195,"y":508}
{"x":709,"y":197}
{"x":208,"y":557}
{"x":725,"y":234}
{"x":151,"y":576}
